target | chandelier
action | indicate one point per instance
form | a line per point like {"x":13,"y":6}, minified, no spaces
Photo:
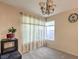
{"x":47,"y":7}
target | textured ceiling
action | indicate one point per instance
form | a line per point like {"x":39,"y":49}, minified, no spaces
{"x":33,"y":5}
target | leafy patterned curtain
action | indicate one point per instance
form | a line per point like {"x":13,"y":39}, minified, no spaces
{"x":33,"y":33}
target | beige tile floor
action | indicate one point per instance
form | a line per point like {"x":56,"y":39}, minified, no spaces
{"x":47,"y":53}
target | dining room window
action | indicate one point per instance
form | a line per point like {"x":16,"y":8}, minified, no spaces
{"x":34,"y":29}
{"x":50,"y":30}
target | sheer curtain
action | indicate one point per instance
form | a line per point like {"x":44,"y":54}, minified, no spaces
{"x":33,"y":33}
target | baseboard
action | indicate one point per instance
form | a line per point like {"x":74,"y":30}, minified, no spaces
{"x":63,"y":51}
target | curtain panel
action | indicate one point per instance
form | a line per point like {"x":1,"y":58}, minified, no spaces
{"x":33,"y":33}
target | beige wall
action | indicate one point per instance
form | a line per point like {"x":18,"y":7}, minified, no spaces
{"x":9,"y":16}
{"x":65,"y":33}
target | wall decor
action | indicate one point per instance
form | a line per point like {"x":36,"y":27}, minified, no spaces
{"x":73,"y":17}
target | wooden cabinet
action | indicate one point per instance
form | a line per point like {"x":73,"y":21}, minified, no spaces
{"x":9,"y":49}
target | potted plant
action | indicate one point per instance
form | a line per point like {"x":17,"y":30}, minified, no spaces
{"x":11,"y":32}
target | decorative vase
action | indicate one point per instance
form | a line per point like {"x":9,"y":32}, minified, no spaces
{"x":10,"y":36}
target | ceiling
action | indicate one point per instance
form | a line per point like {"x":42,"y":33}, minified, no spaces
{"x":33,"y":5}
